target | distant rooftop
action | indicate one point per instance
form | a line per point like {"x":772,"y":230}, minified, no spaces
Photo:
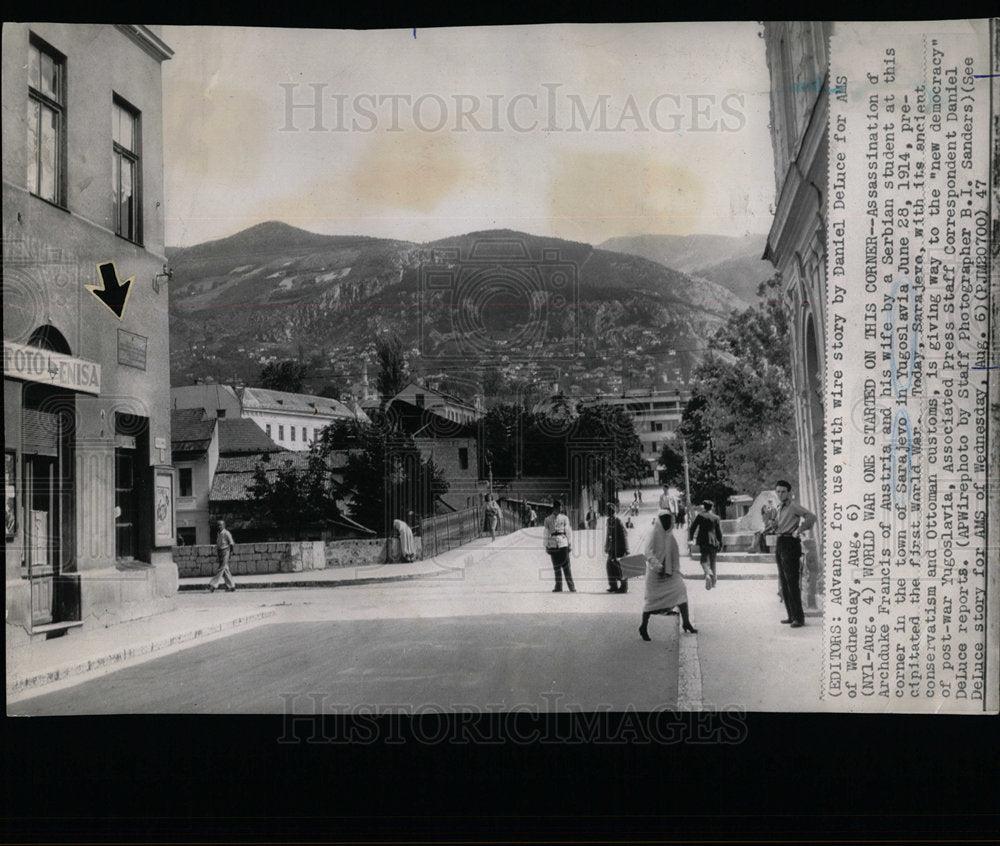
{"x":190,"y":430}
{"x":240,"y":435}
{"x":263,"y":398}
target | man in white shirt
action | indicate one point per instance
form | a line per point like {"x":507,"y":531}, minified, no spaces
{"x":558,"y":545}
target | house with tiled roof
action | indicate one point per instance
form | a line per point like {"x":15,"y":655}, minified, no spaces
{"x":441,"y":403}
{"x":194,"y":450}
{"x":294,"y":421}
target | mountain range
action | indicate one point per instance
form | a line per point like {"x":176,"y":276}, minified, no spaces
{"x":601,"y":319}
{"x":735,"y":263}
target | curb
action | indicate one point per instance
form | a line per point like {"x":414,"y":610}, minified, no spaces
{"x":28,"y":685}
{"x":317,"y":583}
{"x":689,"y":691}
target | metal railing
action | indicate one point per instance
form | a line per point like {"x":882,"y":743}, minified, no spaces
{"x":447,"y":531}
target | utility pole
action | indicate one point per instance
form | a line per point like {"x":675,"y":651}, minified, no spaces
{"x":687,"y":474}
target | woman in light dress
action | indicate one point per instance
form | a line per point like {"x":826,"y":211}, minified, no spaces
{"x":664,"y":583}
{"x":492,"y":516}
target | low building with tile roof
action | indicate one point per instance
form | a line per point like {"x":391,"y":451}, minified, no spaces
{"x":291,"y":420}
{"x":194,"y":449}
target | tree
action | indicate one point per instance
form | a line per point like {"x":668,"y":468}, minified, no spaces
{"x":392,"y":376}
{"x":330,"y":390}
{"x":285,"y":375}
{"x":739,"y":424}
{"x":283,"y":496}
{"x":612,"y":426}
{"x":672,"y":462}
{"x":386,"y":476}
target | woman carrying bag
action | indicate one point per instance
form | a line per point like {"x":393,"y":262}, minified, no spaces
{"x":664,"y":582}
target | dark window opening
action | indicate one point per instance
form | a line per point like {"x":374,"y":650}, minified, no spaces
{"x":185,"y":481}
{"x":463,"y":457}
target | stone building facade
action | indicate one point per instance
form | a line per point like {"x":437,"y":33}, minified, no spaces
{"x":89,"y":487}
{"x":798,"y":61}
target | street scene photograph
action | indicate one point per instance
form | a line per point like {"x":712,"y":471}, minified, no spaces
{"x":345,"y":375}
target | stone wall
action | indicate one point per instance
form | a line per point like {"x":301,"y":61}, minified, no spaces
{"x":287,"y":556}
{"x":252,"y":558}
{"x":357,"y":553}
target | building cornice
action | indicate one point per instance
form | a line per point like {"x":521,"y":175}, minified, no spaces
{"x":147,"y":40}
{"x":799,"y":179}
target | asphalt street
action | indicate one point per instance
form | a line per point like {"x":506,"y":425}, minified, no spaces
{"x":490,"y":636}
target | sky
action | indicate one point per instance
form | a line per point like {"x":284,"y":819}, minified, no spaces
{"x":583,"y":132}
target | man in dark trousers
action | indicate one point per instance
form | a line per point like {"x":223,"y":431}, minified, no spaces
{"x":558,"y":543}
{"x":615,"y":546}
{"x":789,"y":524}
{"x":706,"y":531}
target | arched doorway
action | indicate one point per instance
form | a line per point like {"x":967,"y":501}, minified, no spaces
{"x":48,"y":432}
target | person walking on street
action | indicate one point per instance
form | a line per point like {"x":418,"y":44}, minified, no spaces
{"x":615,"y":546}
{"x":664,"y":582}
{"x":706,"y":531}
{"x":492,"y":516}
{"x":532,"y":516}
{"x":591,"y":518}
{"x":224,"y":547}
{"x":557,"y":540}
{"x":789,"y":524}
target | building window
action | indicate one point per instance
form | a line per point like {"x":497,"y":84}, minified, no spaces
{"x":281,"y":433}
{"x":291,"y":432}
{"x":185,"y":481}
{"x":125,"y":173}
{"x":267,"y":429}
{"x":463,"y":457}
{"x":655,"y":426}
{"x":420,"y":400}
{"x":304,"y":436}
{"x":220,"y":413}
{"x":46,"y":121}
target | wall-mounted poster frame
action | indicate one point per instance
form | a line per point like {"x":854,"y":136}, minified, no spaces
{"x":10,"y":493}
{"x":164,"y":489}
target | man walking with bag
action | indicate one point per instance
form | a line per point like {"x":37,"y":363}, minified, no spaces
{"x":615,"y":547}
{"x":706,"y":531}
{"x":224,"y":547}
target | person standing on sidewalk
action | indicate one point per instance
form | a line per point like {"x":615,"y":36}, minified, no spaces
{"x":615,"y":546}
{"x":492,"y":516}
{"x":557,"y":541}
{"x":664,"y":582}
{"x":789,"y":524}
{"x":224,"y":547}
{"x":706,"y":531}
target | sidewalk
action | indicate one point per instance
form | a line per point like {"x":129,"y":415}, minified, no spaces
{"x":88,"y":653}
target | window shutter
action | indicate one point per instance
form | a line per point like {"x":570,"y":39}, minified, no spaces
{"x":39,"y":432}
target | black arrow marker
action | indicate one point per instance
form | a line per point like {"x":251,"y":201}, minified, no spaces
{"x":114,"y":294}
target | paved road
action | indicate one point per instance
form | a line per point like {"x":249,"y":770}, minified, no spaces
{"x":493,"y":636}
